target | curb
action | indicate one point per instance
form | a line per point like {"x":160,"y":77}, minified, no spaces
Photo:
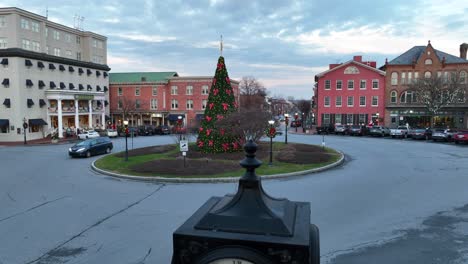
{"x":216,"y":180}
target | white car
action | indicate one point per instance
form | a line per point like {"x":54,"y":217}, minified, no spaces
{"x":88,"y":134}
{"x":112,"y":133}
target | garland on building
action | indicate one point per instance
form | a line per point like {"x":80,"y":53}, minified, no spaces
{"x":221,"y":102}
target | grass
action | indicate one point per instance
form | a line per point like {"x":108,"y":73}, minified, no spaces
{"x":116,"y":164}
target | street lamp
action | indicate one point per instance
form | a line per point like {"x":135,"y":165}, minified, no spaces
{"x":296,"y":116}
{"x":302,"y":123}
{"x":271,"y":134}
{"x":286,"y":121}
{"x":25,"y":126}
{"x":377,"y":114}
{"x":179,"y":125}
{"x":126,"y":139}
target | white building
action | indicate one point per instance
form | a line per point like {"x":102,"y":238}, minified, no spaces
{"x":51,"y":76}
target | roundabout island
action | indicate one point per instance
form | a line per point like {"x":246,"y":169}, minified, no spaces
{"x":165,"y":163}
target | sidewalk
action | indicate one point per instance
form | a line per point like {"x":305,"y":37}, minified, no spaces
{"x":41,"y":141}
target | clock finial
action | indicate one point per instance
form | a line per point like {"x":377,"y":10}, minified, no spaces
{"x":221,"y":46}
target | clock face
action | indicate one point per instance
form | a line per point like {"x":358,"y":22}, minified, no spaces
{"x":231,"y":261}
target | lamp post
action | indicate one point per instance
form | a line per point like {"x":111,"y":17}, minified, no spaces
{"x":296,"y":116}
{"x":126,"y":139}
{"x":25,"y":126}
{"x":286,"y":121}
{"x":302,"y":123}
{"x":271,"y":134}
{"x":377,"y":114}
{"x":179,"y":126}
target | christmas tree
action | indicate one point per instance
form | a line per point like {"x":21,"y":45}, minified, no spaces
{"x":221,"y":102}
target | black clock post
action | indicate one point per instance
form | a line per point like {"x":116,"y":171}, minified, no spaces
{"x":249,"y":227}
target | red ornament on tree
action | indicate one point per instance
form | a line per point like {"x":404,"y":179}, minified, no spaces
{"x":200,"y":144}
{"x":225,"y":146}
{"x":211,"y":106}
{"x":220,"y":117}
{"x":208,"y":118}
{"x":225,"y":106}
{"x":227,"y":80}
{"x":208,"y":132}
{"x":215,"y":92}
{"x":200,"y":129}
{"x":222,"y":131}
{"x":229,"y":92}
{"x":210,"y":143}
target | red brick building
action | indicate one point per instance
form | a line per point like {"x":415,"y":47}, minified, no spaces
{"x":419,"y":62}
{"x":350,"y":93}
{"x":156,"y":98}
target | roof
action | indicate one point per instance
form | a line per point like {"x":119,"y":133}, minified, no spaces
{"x":415,"y":52}
{"x":136,"y":77}
{"x":348,"y":63}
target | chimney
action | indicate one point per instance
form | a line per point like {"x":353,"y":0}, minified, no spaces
{"x":463,"y":48}
{"x":357,"y":58}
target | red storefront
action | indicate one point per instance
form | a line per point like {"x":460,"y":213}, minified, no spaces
{"x":351,"y":93}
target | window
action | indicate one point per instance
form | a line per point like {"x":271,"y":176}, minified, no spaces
{"x":46,"y":32}
{"x":95,"y":43}
{"x":462,"y":76}
{"x":56,"y":51}
{"x":100,"y":44}
{"x":78,"y":40}
{"x":56,"y":35}
{"x":326,"y":119}
{"x":47,"y":49}
{"x":362,"y":119}
{"x":427,"y":74}
{"x":26,"y":44}
{"x":189,"y":104}
{"x":137,"y":91}
{"x":189,"y":90}
{"x":394,"y":78}
{"x":403,"y":78}
{"x":154,"y":91}
{"x":408,"y":97}
{"x":416,"y":75}
{"x":68,"y":53}
{"x":119,"y":104}
{"x":362,"y":85}
{"x":173,"y":90}
{"x":174,"y":104}
{"x":35,"y":26}
{"x":393,"y":97}
{"x":3,"y":21}
{"x":338,"y":119}
{"x":154,"y":104}
{"x":327,"y":84}
{"x":339,"y":84}
{"x":428,"y":61}
{"x":36,"y":46}
{"x":350,"y":84}
{"x":78,"y":55}
{"x":24,"y":24}
{"x":362,"y":101}
{"x":375,"y":100}
{"x":3,"y":43}
{"x":205,"y":89}
{"x":349,"y":118}
{"x":350,"y":101}
{"x":410,"y":77}
{"x":67,"y":37}
{"x":338,"y":101}
{"x":204,"y":102}
{"x":137,"y":103}
{"x":119,"y":91}
{"x":375,"y":84}
{"x":327,"y":101}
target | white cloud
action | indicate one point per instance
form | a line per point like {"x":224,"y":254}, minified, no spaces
{"x":111,"y":20}
{"x":143,"y":37}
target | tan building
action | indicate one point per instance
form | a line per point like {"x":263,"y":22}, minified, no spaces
{"x":401,"y":106}
{"x":52,"y":76}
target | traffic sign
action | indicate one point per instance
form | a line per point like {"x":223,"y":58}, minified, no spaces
{"x":183,"y":144}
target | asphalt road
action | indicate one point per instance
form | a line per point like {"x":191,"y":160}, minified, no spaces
{"x":392,"y":201}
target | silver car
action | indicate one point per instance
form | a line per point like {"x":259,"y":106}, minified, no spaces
{"x":439,"y":134}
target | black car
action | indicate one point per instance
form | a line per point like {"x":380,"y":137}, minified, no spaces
{"x":325,"y":129}
{"x":90,"y":147}
{"x":358,"y":130}
{"x":162,"y":130}
{"x":420,"y":133}
{"x":145,"y":130}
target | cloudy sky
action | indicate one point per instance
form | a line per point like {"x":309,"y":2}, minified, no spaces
{"x":281,"y":43}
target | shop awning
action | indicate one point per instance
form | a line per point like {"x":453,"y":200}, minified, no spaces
{"x":80,"y":71}
{"x":41,"y":84}
{"x":4,"y":122}
{"x":89,"y":72}
{"x":29,"y":82}
{"x":30,"y":102}
{"x":89,"y":87}
{"x":28,"y":63}
{"x":174,"y":117}
{"x":71,"y":86}
{"x":98,"y":73}
{"x":62,"y":85}
{"x":61,"y":67}
{"x":105,"y":74}
{"x":40,"y":64}
{"x":4,"y":61}
{"x":7,"y":102}
{"x":71,"y":69}
{"x":52,"y":85}
{"x":80,"y":86}
{"x":37,"y":122}
{"x":42,"y":102}
{"x":199,"y":116}
{"x":51,"y":66}
{"x":98,"y":88}
{"x":6,"y":81}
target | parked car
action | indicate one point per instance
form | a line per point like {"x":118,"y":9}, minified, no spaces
{"x":451,"y":134}
{"x":420,"y":133}
{"x":90,"y":147}
{"x":358,"y":130}
{"x":342,"y":129}
{"x":461,"y":137}
{"x":379,"y":131}
{"x":88,"y":134}
{"x":162,"y":130}
{"x":325,"y":129}
{"x":145,"y":130}
{"x":132,"y":132}
{"x":400,"y":131}
{"x":111,"y":133}
{"x":439,"y":134}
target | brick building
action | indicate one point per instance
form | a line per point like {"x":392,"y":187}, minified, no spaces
{"x":155,"y":98}
{"x":419,"y":62}
{"x":350,"y":93}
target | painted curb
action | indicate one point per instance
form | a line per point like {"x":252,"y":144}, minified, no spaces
{"x":216,"y":180}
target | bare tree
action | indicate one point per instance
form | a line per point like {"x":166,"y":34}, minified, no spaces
{"x":246,"y":124}
{"x":438,"y":92}
{"x":304,"y":106}
{"x":252,"y":93}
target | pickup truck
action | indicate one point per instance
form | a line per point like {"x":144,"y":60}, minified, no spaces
{"x":401,"y":132}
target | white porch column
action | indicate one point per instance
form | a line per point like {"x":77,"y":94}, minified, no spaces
{"x":49,"y":121}
{"x":77,"y":118}
{"x":59,"y":117}
{"x":103,"y":115}
{"x":90,"y":115}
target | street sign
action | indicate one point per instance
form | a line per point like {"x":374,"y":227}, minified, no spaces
{"x":183,"y":145}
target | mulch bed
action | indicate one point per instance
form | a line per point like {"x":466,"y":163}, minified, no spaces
{"x":198,"y":163}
